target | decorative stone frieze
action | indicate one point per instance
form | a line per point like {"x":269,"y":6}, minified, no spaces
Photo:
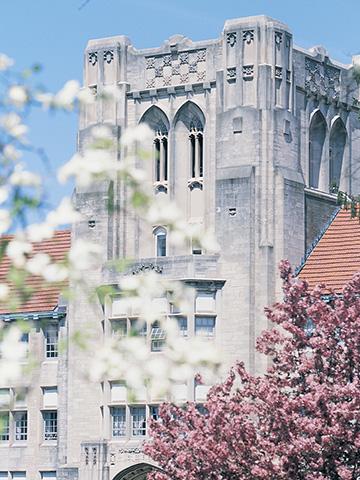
{"x":322,"y":79}
{"x":176,"y":68}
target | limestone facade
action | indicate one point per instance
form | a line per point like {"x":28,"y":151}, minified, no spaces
{"x":252,"y":137}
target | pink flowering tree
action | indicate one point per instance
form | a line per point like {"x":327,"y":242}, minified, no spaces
{"x":300,"y":420}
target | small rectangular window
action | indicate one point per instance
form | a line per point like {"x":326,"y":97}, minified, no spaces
{"x":118,"y":415}
{"x":154,"y":412}
{"x":158,"y":338}
{"x":18,"y":475}
{"x":205,"y":326}
{"x":48,"y":475}
{"x":119,"y":327}
{"x":51,"y":341}
{"x":138,"y":421}
{"x":50,"y":397}
{"x":50,"y":425}
{"x":20,"y":426}
{"x":4,"y":427}
{"x":183,"y":326}
{"x":138,"y":327}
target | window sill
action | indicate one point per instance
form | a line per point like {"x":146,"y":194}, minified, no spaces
{"x":49,"y":443}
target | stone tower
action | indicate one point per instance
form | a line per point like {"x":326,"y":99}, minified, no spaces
{"x":252,"y":138}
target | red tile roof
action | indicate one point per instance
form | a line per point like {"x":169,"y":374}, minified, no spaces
{"x":45,"y":297}
{"x":336,"y":257}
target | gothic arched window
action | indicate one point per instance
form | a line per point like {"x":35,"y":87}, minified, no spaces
{"x":317,"y":136}
{"x":196,"y":153}
{"x":159,"y":123}
{"x":192,"y":120}
{"x":160,"y":241}
{"x":337,"y":144}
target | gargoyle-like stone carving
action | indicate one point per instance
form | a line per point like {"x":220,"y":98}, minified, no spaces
{"x":108,"y":56}
{"x":231,"y":38}
{"x":93,"y":58}
{"x":248,"y":36}
{"x":231,"y":74}
{"x":248,"y":71}
{"x":278,"y":72}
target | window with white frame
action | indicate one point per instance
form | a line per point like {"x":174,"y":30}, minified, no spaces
{"x":50,"y":425}
{"x":205,"y":326}
{"x":51,"y":334}
{"x":138,"y":421}
{"x":20,"y":426}
{"x":160,"y":242}
{"x":138,"y":327}
{"x":118,"y":421}
{"x":4,"y":426}
{"x":158,"y":337}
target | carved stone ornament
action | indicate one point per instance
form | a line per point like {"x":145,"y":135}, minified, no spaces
{"x":108,"y":56}
{"x":134,"y":450}
{"x":231,"y":38}
{"x":193,"y":184}
{"x":146,"y":267}
{"x":175,"y":68}
{"x":231,"y":74}
{"x":322,"y":79}
{"x":278,"y":72}
{"x":288,"y":75}
{"x":278,"y":38}
{"x":93,"y":58}
{"x":248,"y":71}
{"x":248,"y":36}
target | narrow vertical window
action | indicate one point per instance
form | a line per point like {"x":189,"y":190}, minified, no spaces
{"x":51,"y":341}
{"x":161,"y":157}
{"x":157,"y":159}
{"x":20,"y":426}
{"x":4,"y":426}
{"x":118,"y":416}
{"x":160,"y":242}
{"x":138,"y":421}
{"x":50,"y":425}
{"x":165,"y":158}
{"x":200,"y":140}
{"x":193,"y":155}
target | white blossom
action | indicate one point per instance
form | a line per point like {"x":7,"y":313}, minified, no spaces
{"x":64,"y":214}
{"x":84,"y":256}
{"x":5,"y":62}
{"x":4,"y":193}
{"x":37,"y":263}
{"x":18,"y":95}
{"x":5,"y":220}
{"x":11,"y":153}
{"x":4,"y":292}
{"x":46,"y":99}
{"x":24,"y":178}
{"x":139,"y":134}
{"x":11,"y":122}
{"x":67,"y":95}
{"x":12,"y":353}
{"x":87,"y":168}
{"x":17,"y":250}
{"x":86,"y":96}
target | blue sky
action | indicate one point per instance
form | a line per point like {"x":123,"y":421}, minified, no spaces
{"x":54,"y":33}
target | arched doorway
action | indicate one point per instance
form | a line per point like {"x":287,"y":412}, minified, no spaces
{"x":135,"y":472}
